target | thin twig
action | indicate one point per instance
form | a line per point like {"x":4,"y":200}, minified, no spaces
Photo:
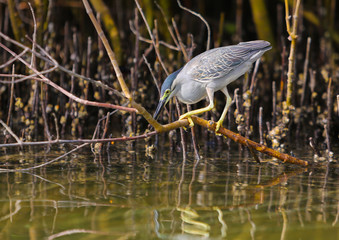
{"x":291,"y":59}
{"x":308,"y":47}
{"x":9,"y":130}
{"x":48,"y":58}
{"x":181,"y":44}
{"x":33,"y":60}
{"x":68,"y":94}
{"x":11,"y":98}
{"x":152,"y":37}
{"x":260,"y":126}
{"x":109,"y":50}
{"x":10,"y":61}
{"x":329,"y":114}
{"x":78,"y":141}
{"x":152,"y":74}
{"x":143,"y":39}
{"x":56,"y":125}
{"x":202,"y":19}
{"x":170,"y":30}
{"x":274,"y":104}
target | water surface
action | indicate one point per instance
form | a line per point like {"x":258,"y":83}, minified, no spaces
{"x":128,"y":195}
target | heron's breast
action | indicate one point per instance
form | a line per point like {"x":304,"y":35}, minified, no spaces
{"x":191,"y":92}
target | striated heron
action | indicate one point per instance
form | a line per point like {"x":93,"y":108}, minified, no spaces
{"x":209,"y":72}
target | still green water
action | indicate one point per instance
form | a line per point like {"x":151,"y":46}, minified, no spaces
{"x":127,"y":195}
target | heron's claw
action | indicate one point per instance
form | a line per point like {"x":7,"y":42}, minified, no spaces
{"x":189,"y":119}
{"x":217,"y":128}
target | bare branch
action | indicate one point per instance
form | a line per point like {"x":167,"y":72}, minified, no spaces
{"x":202,"y":19}
{"x":152,"y":38}
{"x":9,"y":130}
{"x":68,"y":94}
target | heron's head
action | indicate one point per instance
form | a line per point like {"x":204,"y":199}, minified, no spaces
{"x":167,"y":92}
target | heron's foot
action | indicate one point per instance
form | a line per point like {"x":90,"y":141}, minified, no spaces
{"x":189,"y":119}
{"x":217,"y":128}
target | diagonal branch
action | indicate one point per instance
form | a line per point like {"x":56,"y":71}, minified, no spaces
{"x":109,"y":50}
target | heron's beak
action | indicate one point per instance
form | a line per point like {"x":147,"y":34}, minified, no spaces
{"x":160,"y":106}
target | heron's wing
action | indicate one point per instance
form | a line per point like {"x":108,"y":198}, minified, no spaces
{"x":219,"y":62}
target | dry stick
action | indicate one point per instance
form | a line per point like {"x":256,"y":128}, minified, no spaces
{"x":246,"y":142}
{"x":260,"y":126}
{"x":141,"y":110}
{"x":51,"y":60}
{"x":135,"y":71}
{"x":68,"y":94}
{"x":33,"y":59}
{"x":308,"y":46}
{"x":151,"y":36}
{"x":282,"y":77}
{"x":106,"y":126}
{"x":154,"y":79}
{"x":87,"y":141}
{"x":9,"y":130}
{"x":143,"y":39}
{"x":110,"y":52}
{"x":181,"y":44}
{"x":238,"y":20}
{"x":88,"y":65}
{"x":220,"y":29}
{"x":274,"y":104}
{"x":202,"y":19}
{"x":152,"y":74}
{"x":156,"y":34}
{"x":13,"y":59}
{"x":338,"y":104}
{"x":291,"y":59}
{"x":170,"y":30}
{"x":25,"y":77}
{"x":36,"y":84}
{"x":302,"y":99}
{"x":11,"y":98}
{"x":329,"y":113}
{"x":56,"y":125}
{"x":249,"y":110}
{"x":146,"y":53}
{"x":136,"y":52}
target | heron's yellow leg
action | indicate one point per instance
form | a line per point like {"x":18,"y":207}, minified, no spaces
{"x":227,"y":106}
{"x":195,"y":112}
{"x":188,"y":115}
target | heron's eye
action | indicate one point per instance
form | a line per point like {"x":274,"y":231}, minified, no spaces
{"x":167,"y":92}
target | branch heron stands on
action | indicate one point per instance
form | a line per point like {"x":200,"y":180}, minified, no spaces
{"x":209,"y":72}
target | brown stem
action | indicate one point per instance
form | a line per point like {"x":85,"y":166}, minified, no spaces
{"x":291,"y":59}
{"x":109,"y":50}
